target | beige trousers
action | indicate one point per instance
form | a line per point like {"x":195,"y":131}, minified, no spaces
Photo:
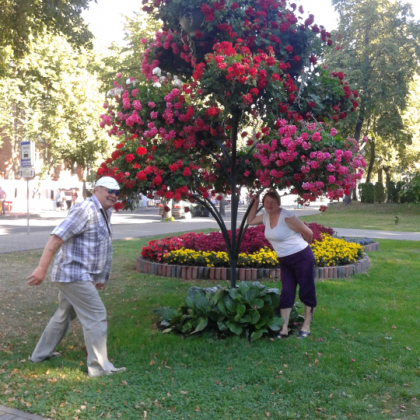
{"x":78,"y":299}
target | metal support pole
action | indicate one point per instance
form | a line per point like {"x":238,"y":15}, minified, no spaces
{"x":27,"y":200}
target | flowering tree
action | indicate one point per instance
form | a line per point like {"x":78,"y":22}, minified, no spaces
{"x":235,"y":97}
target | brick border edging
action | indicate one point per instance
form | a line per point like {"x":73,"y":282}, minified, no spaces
{"x":371,"y":247}
{"x":221,"y":273}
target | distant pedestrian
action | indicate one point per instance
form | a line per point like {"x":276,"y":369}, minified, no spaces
{"x":3,"y":197}
{"x":58,"y":200}
{"x":73,"y":197}
{"x":81,"y":267}
{"x":68,"y":198}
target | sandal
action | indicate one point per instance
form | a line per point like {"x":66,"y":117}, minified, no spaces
{"x":303,"y":334}
{"x":281,"y":336}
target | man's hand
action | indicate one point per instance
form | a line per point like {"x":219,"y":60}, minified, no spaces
{"x":35,"y":279}
{"x":100,"y":286}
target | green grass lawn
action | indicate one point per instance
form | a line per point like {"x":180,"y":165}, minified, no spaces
{"x":370,"y":216}
{"x":362,"y":360}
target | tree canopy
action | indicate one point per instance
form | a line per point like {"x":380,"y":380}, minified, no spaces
{"x":52,"y":97}
{"x":23,"y":21}
{"x":378,"y":43}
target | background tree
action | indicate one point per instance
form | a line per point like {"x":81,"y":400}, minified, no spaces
{"x":377,"y":42}
{"x":23,"y":21}
{"x":51,"y":97}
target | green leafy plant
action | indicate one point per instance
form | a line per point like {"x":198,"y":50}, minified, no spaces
{"x":246,"y":311}
{"x":410,"y":191}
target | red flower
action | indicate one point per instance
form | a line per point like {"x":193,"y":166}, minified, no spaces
{"x":186,"y":172}
{"x":141,"y":176}
{"x":118,"y":206}
{"x":119,"y":146}
{"x":115,"y":155}
{"x":129,"y":158}
{"x":234,"y":6}
{"x":141,"y":150}
{"x":169,"y":195}
{"x":289,"y":49}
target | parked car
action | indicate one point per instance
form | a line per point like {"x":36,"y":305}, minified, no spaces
{"x":178,"y":209}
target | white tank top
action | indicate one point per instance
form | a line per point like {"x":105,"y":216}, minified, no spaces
{"x":285,"y":241}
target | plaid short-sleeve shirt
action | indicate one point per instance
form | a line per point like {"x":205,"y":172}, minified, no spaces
{"x":86,"y":253}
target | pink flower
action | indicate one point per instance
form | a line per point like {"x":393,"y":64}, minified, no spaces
{"x":333,"y":132}
{"x":316,"y":136}
{"x":151,"y":104}
{"x":118,"y":76}
{"x":331,"y":179}
{"x":137,"y":105}
{"x":353,"y":360}
{"x":153,"y":115}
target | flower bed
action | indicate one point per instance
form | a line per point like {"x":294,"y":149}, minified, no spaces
{"x":333,"y":251}
{"x":203,"y":256}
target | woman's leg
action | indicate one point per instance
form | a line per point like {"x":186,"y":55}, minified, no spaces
{"x":287,"y":295}
{"x":306,"y":279}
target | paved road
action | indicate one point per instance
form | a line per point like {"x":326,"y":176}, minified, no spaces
{"x":143,"y":222}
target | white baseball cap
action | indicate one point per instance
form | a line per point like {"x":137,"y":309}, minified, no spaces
{"x":107,"y":182}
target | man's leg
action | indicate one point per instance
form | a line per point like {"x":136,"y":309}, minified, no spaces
{"x":55,"y":330}
{"x":91,"y":312}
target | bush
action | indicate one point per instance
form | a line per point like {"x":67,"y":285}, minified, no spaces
{"x":246,"y":311}
{"x":379,"y":192}
{"x":319,"y":231}
{"x":410,"y":191}
{"x":367,"y":194}
{"x":392,"y":192}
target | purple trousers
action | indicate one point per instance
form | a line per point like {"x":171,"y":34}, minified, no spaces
{"x":298,"y":269}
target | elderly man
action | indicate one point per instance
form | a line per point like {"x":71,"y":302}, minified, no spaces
{"x":81,"y":267}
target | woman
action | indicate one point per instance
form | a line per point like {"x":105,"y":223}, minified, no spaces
{"x":289,"y":238}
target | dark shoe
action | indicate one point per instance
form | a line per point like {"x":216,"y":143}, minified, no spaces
{"x":281,"y":336}
{"x":303,"y":334}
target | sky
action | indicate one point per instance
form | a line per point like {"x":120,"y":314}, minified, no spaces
{"x":105,"y":18}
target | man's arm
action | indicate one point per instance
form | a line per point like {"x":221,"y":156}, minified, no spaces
{"x":50,"y":249}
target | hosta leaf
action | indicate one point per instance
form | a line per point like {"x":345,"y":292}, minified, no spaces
{"x":234,"y":327}
{"x":202,"y":323}
{"x":222,"y":326}
{"x":240,"y":309}
{"x":257,"y":334}
{"x":235,"y":294}
{"x":259,"y":303}
{"x":275,"y":323}
{"x":255,"y":316}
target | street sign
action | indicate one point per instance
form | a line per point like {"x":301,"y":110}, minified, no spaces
{"x":27,"y":154}
{"x":27,"y":172}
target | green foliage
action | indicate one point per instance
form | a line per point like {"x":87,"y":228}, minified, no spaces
{"x":410,"y":191}
{"x":51,"y":97}
{"x":367,"y":194}
{"x":392,"y":192}
{"x":379,"y":192}
{"x":246,"y":311}
{"x":22,"y":22}
{"x":379,"y":46}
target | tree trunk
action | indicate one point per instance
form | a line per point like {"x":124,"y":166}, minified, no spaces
{"x":222,"y":206}
{"x":372,"y":159}
{"x":380,"y":176}
{"x":387,"y":170}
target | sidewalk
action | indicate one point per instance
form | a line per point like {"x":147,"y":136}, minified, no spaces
{"x":12,"y":414}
